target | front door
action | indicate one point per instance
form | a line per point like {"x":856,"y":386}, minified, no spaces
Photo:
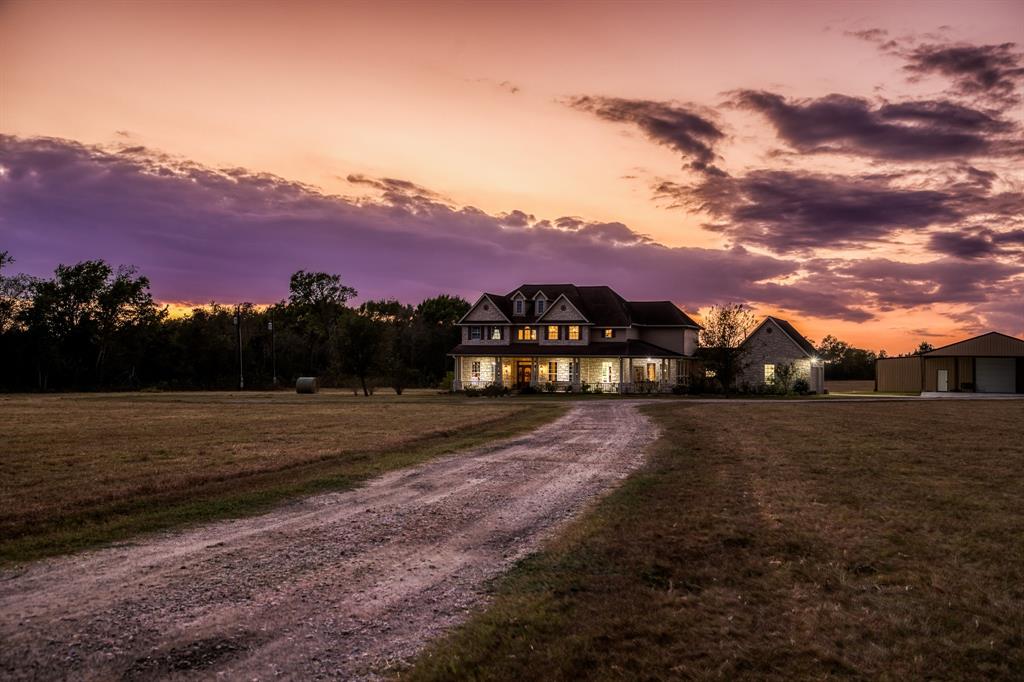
{"x":942,"y":382}
{"x":524,"y":374}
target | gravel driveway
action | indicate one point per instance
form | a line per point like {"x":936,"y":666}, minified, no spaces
{"x":337,"y":585}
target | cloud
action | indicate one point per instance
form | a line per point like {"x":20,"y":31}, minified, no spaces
{"x":990,"y":71}
{"x":201,"y":233}
{"x":797,"y":211}
{"x":980,"y":243}
{"x":692,"y":135}
{"x":905,"y":131}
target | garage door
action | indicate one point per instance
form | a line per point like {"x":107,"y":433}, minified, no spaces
{"x":996,"y":375}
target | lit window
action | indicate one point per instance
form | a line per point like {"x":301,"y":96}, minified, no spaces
{"x":527,"y":334}
{"x":474,"y":333}
{"x":709,"y":373}
{"x":552,"y":333}
{"x":652,"y":371}
{"x":519,"y":306}
{"x":574,"y":332}
{"x":540,"y":307}
{"x":475,"y":371}
{"x":609,"y":333}
{"x":769,"y":373}
{"x":553,"y":371}
{"x":606,"y":372}
{"x":495,"y":333}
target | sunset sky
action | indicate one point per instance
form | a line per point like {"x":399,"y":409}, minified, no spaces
{"x":854,"y":167}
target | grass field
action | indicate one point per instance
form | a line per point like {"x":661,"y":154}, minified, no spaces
{"x":79,"y":470}
{"x":779,"y":541}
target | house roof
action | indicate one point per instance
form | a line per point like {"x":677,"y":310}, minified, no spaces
{"x":790,"y":331}
{"x":991,"y":344}
{"x":632,"y":348}
{"x":601,"y":305}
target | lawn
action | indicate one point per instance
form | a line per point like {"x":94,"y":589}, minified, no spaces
{"x":79,"y":470}
{"x":780,"y":541}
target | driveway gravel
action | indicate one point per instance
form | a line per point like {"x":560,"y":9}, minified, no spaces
{"x":342,"y":585}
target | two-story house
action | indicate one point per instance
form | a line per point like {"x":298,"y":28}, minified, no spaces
{"x":567,"y":335}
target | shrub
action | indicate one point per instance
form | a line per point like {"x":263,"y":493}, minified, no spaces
{"x":550,"y":387}
{"x":680,"y":389}
{"x":584,"y":387}
{"x":568,"y":388}
{"x":527,"y":390}
{"x":472,"y":391}
{"x":446,"y":383}
{"x":801,"y":386}
{"x":495,"y":391}
{"x":598,"y":389}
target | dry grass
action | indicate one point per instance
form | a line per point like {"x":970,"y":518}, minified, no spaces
{"x":850,"y":386}
{"x":780,"y":541}
{"x":77,"y":470}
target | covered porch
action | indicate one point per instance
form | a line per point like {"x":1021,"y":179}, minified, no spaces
{"x":576,"y":374}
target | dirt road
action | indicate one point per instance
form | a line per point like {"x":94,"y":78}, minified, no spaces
{"x":338,"y":585}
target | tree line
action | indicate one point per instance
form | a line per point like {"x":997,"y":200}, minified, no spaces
{"x":92,"y":326}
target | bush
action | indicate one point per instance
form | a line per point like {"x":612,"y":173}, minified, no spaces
{"x":568,"y":388}
{"x":598,"y":389}
{"x":801,"y":386}
{"x":446,"y":383}
{"x":680,"y":389}
{"x":527,"y":390}
{"x":472,"y":391}
{"x":550,"y":387}
{"x":495,"y":391}
{"x":584,"y":387}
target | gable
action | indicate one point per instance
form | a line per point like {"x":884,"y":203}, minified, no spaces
{"x":771,"y":333}
{"x":562,"y":310}
{"x":484,"y":310}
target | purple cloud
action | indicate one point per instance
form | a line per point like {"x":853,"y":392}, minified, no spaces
{"x":201,"y":233}
{"x":791,"y":211}
{"x":692,"y":135}
{"x":904,"y":131}
{"x":991,"y":71}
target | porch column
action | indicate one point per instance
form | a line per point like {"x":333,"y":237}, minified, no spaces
{"x":497,"y":371}
{"x":457,"y":383}
{"x":533,"y":373}
{"x":622,"y":383}
{"x":574,"y":375}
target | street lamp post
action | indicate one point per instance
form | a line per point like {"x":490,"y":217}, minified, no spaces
{"x":273,"y":351}
{"x":238,"y":329}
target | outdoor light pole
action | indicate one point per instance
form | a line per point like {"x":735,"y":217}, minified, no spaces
{"x":273,"y":351}
{"x":238,"y":328}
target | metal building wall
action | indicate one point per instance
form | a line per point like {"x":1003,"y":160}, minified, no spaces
{"x":898,"y":375}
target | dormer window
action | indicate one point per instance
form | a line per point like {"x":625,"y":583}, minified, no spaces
{"x":519,"y":306}
{"x":540,"y":306}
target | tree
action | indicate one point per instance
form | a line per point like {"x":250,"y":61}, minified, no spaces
{"x":725,"y":328}
{"x":360,"y":347}
{"x":435,"y":333}
{"x":397,"y":343}
{"x":317,"y":303}
{"x":14,"y":293}
{"x":923,"y":347}
{"x":76,"y":318}
{"x":785,"y":375}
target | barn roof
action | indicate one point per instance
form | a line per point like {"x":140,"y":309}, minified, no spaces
{"x":991,"y":344}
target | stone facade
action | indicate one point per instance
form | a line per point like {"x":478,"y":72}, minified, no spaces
{"x":770,"y":345}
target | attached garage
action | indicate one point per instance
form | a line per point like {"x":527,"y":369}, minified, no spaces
{"x":990,"y":363}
